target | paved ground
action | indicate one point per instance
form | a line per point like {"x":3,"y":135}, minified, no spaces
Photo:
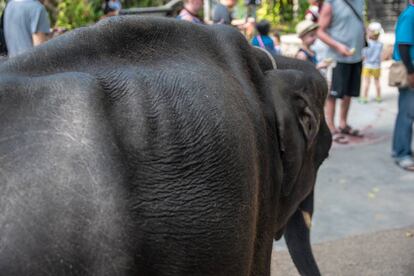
{"x":361,"y":192}
{"x":387,"y":253}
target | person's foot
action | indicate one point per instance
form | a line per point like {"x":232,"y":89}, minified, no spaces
{"x":339,"y":138}
{"x":378,"y":99}
{"x":363,"y":100}
{"x":348,"y":130}
{"x":406,"y":164}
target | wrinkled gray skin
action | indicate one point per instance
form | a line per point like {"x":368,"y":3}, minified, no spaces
{"x":153,"y":147}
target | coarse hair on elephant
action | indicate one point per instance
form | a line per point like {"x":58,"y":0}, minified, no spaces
{"x":149,"y":146}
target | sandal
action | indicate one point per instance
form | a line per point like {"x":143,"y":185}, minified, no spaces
{"x":350,"y":131}
{"x":339,"y":138}
{"x":406,"y":164}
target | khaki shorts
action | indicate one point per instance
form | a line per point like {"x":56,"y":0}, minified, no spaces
{"x":369,"y":72}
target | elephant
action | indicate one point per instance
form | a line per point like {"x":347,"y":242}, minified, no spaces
{"x":152,"y":146}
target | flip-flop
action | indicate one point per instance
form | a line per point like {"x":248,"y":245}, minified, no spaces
{"x":348,"y":130}
{"x":339,"y":138}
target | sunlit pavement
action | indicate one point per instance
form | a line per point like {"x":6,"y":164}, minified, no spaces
{"x":364,"y":204}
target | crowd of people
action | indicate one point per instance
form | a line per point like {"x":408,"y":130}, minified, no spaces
{"x":333,"y":37}
{"x":357,"y":53}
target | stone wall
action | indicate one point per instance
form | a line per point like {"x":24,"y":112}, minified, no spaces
{"x":385,"y":11}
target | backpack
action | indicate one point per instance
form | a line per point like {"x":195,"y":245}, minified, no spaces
{"x":3,"y":46}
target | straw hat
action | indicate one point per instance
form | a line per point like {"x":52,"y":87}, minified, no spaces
{"x":305,"y":27}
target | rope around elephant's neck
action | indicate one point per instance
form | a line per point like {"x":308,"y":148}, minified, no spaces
{"x":272,"y":59}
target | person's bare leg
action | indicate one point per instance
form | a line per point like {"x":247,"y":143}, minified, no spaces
{"x":343,"y":111}
{"x":378,"y":87}
{"x":330,"y":113}
{"x":367,"y":81}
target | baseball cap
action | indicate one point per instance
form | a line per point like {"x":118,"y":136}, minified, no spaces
{"x":305,"y":27}
{"x":115,"y":5}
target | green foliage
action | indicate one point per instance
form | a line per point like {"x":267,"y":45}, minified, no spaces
{"x":303,"y":6}
{"x":2,"y":4}
{"x":281,"y":13}
{"x":76,"y":13}
{"x":72,"y":14}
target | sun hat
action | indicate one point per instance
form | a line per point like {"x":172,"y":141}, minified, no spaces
{"x":305,"y":27}
{"x":375,"y":27}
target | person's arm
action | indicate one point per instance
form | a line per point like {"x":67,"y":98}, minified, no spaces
{"x":241,"y":24}
{"x":324,"y":21}
{"x":406,"y":58}
{"x":40,"y":26}
{"x":322,"y":65}
{"x":301,"y":55}
{"x":39,"y":38}
{"x":364,"y":53}
{"x":187,"y":17}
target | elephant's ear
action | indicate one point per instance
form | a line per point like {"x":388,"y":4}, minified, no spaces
{"x":297,"y":123}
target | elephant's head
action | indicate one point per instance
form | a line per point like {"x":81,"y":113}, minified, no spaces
{"x":298,"y":93}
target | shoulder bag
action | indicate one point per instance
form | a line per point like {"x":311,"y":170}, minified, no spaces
{"x":3,"y":47}
{"x":397,"y":76}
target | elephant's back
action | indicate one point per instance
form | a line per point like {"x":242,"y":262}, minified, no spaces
{"x":145,"y":162}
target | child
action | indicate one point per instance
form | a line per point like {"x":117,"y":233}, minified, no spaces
{"x":372,"y":61}
{"x":263,"y":39}
{"x":306,"y":31}
{"x":312,"y":13}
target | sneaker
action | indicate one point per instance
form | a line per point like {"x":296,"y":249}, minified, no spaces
{"x":378,"y":99}
{"x":363,"y":100}
{"x":406,"y":164}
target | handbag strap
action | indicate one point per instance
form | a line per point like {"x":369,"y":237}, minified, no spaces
{"x":2,"y":18}
{"x":354,"y":11}
{"x":259,"y":39}
{"x":360,"y":19}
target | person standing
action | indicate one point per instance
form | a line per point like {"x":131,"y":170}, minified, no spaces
{"x":371,"y":68}
{"x":263,"y":39}
{"x":222,"y":13}
{"x":26,"y":24}
{"x":114,"y":4}
{"x":111,"y":8}
{"x":341,"y":27}
{"x":190,"y":11}
{"x":404,"y":51}
{"x":312,"y":13}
